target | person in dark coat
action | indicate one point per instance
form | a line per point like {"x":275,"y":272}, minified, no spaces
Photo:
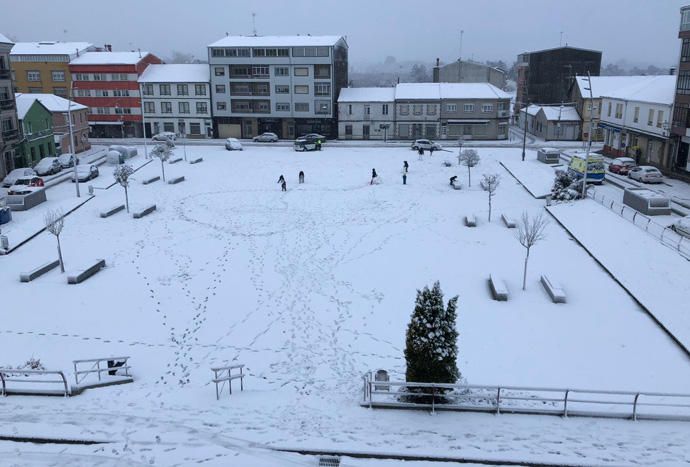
{"x":431,"y":150}
{"x":406,"y":166}
{"x":301,"y":176}
{"x":318,"y":144}
{"x":283,"y":186}
{"x":281,"y":179}
{"x":404,"y":178}
{"x":452,"y":180}
{"x":374,"y":175}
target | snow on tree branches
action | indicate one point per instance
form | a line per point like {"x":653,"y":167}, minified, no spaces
{"x":163,"y":151}
{"x":469,"y":158}
{"x":122,"y":173}
{"x":489,"y":183}
{"x":566,"y":187}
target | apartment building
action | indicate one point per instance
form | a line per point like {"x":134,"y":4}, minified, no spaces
{"x":9,"y":127}
{"x":177,"y":98}
{"x":366,"y":113}
{"x":36,"y":124}
{"x":107,"y":83}
{"x":43,"y":67}
{"x":465,"y":71}
{"x":288,"y":85}
{"x":680,"y":124}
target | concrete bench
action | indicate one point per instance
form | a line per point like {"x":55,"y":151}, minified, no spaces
{"x":151,"y":179}
{"x":144,"y":212}
{"x":499,"y":290}
{"x":86,"y":273}
{"x":471,"y":221}
{"x":26,"y":202}
{"x":39,"y":271}
{"x":176,"y":180}
{"x":196,"y":161}
{"x":508,"y":221}
{"x":112,"y":210}
{"x":175,"y":160}
{"x":554,"y":290}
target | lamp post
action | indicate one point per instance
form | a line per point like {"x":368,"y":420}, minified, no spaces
{"x":71,"y":136}
{"x":524,"y":133}
{"x":589,"y":134}
{"x":143,"y":120}
{"x":183,"y":133}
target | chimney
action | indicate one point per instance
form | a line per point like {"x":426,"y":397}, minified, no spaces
{"x":672,"y":71}
{"x":436,"y":71}
{"x":108,"y":47}
{"x":77,"y":49}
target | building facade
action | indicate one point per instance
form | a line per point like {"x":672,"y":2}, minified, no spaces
{"x":680,"y":124}
{"x":474,"y":111}
{"x":43,"y":67}
{"x":177,"y":98}
{"x":9,"y":127}
{"x":636,"y":120}
{"x":36,"y":123}
{"x":551,"y":123}
{"x":461,"y":71}
{"x":366,"y":113}
{"x":288,"y":85}
{"x":545,"y":76}
{"x":107,"y":83}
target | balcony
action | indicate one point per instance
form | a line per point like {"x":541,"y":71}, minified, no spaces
{"x":10,"y":134}
{"x":5,"y":74}
{"x":6,"y":104}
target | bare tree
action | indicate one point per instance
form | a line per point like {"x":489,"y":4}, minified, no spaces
{"x":122,"y":173}
{"x":163,"y":151}
{"x":489,"y":184}
{"x":54,"y":222}
{"x":469,"y":158}
{"x":530,"y":231}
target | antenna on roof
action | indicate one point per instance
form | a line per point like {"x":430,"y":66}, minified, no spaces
{"x":462,"y":32}
{"x":254,"y":23}
{"x":139,"y":52}
{"x":227,"y":33}
{"x":560,"y":42}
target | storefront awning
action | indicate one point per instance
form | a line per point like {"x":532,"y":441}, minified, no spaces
{"x":106,"y":123}
{"x":467,"y":122}
{"x":609,"y":127}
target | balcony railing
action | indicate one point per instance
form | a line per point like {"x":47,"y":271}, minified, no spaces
{"x":10,"y":134}
{"x":6,"y":104}
{"x":5,"y":74}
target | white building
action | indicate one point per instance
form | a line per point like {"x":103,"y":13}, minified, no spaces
{"x":551,"y":122}
{"x":636,"y":120}
{"x":177,"y":98}
{"x":366,"y":113}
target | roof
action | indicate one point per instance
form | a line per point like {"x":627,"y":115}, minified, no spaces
{"x":559,"y":48}
{"x":50,"y":48}
{"x":276,"y":41}
{"x":605,"y":85}
{"x":54,"y":103}
{"x":436,"y":91}
{"x":367,"y":95}
{"x":110,"y":58}
{"x":657,"y":89}
{"x":24,"y":103}
{"x":176,"y":73}
{"x":554,"y":112}
{"x":5,"y":40}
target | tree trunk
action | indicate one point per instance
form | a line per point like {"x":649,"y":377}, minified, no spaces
{"x":163,"y":169}
{"x":127,"y":200}
{"x":469,"y":176}
{"x":62,"y":264}
{"x":524,"y":273}
{"x":489,"y":206}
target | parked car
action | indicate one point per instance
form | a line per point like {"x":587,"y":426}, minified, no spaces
{"x":233,"y":144}
{"x":303,"y":144}
{"x":646,"y":174}
{"x":48,"y":166}
{"x":425,"y":144}
{"x":15,"y":174}
{"x":85,"y":172}
{"x":622,"y":165}
{"x":313,"y":138}
{"x":164,"y":136}
{"x":26,"y":185}
{"x":682,"y":226}
{"x":266,"y":137}
{"x":67,"y":160}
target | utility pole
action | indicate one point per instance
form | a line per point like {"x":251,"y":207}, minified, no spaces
{"x":71,"y":136}
{"x":589,"y":135}
{"x":143,"y":119}
{"x":524,"y":133}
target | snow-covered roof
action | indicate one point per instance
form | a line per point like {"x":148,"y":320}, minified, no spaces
{"x":367,"y":95}
{"x":4,"y":39}
{"x":436,"y":91}
{"x":563,"y":47}
{"x":53,"y":103}
{"x":275,"y":41}
{"x":419,"y":91}
{"x":605,"y":85}
{"x":24,"y":103}
{"x":110,"y":58}
{"x":176,"y":73}
{"x":50,"y":48}
{"x":657,"y":89}
{"x":554,"y":112}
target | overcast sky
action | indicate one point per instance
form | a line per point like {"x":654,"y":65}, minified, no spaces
{"x":639,"y":31}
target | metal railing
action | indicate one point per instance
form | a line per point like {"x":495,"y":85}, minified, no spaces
{"x":221,"y":380}
{"x":11,"y":375}
{"x":526,"y":400}
{"x":80,"y":374}
{"x":667,"y":236}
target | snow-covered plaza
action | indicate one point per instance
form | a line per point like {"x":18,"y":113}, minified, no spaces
{"x":311,"y":288}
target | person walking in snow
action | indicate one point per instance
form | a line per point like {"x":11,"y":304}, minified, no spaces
{"x":452,"y":180}
{"x":281,"y":179}
{"x":406,"y":166}
{"x":404,"y":178}
{"x":283,"y":186}
{"x":431,"y":150}
{"x":301,"y":176}
{"x":374,"y":176}
{"x":420,"y":150}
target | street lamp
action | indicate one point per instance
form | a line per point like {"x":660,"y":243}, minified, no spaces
{"x":71,"y":136}
{"x":589,"y":134}
{"x":524,"y":133}
{"x":183,"y":132}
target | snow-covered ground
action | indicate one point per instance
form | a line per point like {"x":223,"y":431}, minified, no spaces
{"x":310,"y":289}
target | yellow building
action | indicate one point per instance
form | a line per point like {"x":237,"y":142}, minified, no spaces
{"x":43,"y":67}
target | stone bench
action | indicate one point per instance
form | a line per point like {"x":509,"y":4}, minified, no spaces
{"x":554,"y":290}
{"x":86,"y":273}
{"x":471,"y":221}
{"x":155,"y":178}
{"x":174,"y":160}
{"x":176,"y":180}
{"x":196,"y":161}
{"x":39,"y":271}
{"x":508,"y":221}
{"x":144,"y":212}
{"x":113,"y":210}
{"x":499,"y":290}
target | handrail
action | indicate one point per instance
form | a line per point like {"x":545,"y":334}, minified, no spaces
{"x":222,"y":380}
{"x":229,"y":367}
{"x":4,"y":372}
{"x":88,"y":360}
{"x":96,"y":367}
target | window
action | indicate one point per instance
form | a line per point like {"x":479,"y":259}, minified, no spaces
{"x":147,"y":89}
{"x":219,"y":71}
{"x":121,"y":92}
{"x":220,"y":89}
{"x":166,"y":107}
{"x":281,"y":71}
{"x":301,"y":71}
{"x":650,"y":117}
{"x":608,"y":113}
{"x":322,"y":89}
{"x":117,"y":77}
{"x":404,"y":109}
{"x":301,"y":107}
{"x":182,"y":90}
{"x":195,"y":128}
{"x":468,"y":107}
{"x":101,"y":93}
{"x":502,"y":106}
{"x":123,"y":110}
{"x":33,"y":75}
{"x":685,"y":51}
{"x":240,"y":71}
{"x":149,"y":107}
{"x":659,"y":118}
{"x":102,"y":110}
{"x":264,"y":106}
{"x":487,"y":108}
{"x":58,"y":75}
{"x":324,"y":107}
{"x":417,"y":109}
{"x":348,"y":130}
{"x":230,"y":52}
{"x":384,"y":109}
{"x":367,"y":109}
{"x":282,"y":89}
{"x":169,"y":126}
{"x":220,"y":106}
{"x":62,"y":92}
{"x":81,"y":76}
{"x":431,"y":109}
{"x":164,"y":89}
{"x":282,"y":106}
{"x":260,"y":71}
{"x":199,"y":89}
{"x":270,"y":52}
{"x":183,"y":107}
{"x":83,"y":92}
{"x":451,"y":107}
{"x":201,"y":108}
{"x":685,"y":20}
{"x":322,"y":71}
{"x":310,"y":52}
{"x":636,"y":117}
{"x":301,"y":89}
{"x":100,"y":77}
{"x":619,"y":110}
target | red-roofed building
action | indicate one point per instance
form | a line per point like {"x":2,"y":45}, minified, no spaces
{"x":107,"y":83}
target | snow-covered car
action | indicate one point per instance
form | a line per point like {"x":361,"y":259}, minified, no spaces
{"x":425,"y":144}
{"x":48,"y":166}
{"x":233,"y":144}
{"x":646,"y":174}
{"x":303,"y":144}
{"x":85,"y":172}
{"x":67,"y":160}
{"x":266,"y":137}
{"x":15,"y":174}
{"x":164,"y":136}
{"x":26,"y":185}
{"x":682,"y":226}
{"x":313,"y":138}
{"x":622,"y":165}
